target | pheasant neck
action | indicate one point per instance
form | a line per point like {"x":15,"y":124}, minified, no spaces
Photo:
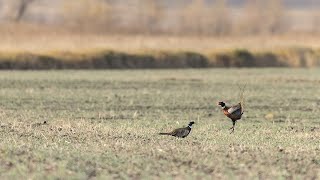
{"x":225,"y":108}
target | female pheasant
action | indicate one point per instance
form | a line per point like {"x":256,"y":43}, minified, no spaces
{"x":180,"y":132}
{"x":233,"y":112}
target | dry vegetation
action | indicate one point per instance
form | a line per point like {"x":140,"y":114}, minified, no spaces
{"x":105,"y":124}
{"x":195,"y":17}
{"x":50,"y":48}
{"x":89,"y":34}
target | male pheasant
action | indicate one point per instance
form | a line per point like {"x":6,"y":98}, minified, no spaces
{"x":180,"y":132}
{"x":233,"y":112}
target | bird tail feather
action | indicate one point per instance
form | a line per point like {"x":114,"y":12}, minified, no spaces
{"x":241,"y":96}
{"x":164,"y":133}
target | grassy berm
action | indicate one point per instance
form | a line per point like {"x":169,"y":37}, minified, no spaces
{"x":105,"y":124}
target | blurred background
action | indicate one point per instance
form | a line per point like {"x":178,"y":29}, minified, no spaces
{"x":207,"y":27}
{"x":178,"y":17}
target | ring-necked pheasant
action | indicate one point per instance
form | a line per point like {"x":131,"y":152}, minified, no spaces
{"x":233,"y":112}
{"x":180,"y":132}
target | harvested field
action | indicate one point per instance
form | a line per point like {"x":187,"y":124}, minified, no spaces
{"x":105,"y":124}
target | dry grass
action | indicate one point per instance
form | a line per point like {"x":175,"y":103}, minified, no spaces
{"x":46,"y":48}
{"x":104,"y":124}
{"x":45,"y":40}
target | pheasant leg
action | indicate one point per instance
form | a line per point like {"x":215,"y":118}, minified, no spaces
{"x":232,"y":128}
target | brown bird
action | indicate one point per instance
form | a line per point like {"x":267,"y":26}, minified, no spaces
{"x":233,"y":112}
{"x":180,"y":132}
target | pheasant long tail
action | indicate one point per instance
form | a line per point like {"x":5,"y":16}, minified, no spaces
{"x":165,"y":133}
{"x":241,"y":96}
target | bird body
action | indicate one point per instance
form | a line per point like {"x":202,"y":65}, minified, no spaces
{"x":180,"y":132}
{"x":233,"y":112}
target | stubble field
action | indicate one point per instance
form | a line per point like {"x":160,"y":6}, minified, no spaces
{"x":105,"y":124}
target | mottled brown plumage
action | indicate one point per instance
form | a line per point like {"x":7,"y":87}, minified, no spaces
{"x":180,"y":132}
